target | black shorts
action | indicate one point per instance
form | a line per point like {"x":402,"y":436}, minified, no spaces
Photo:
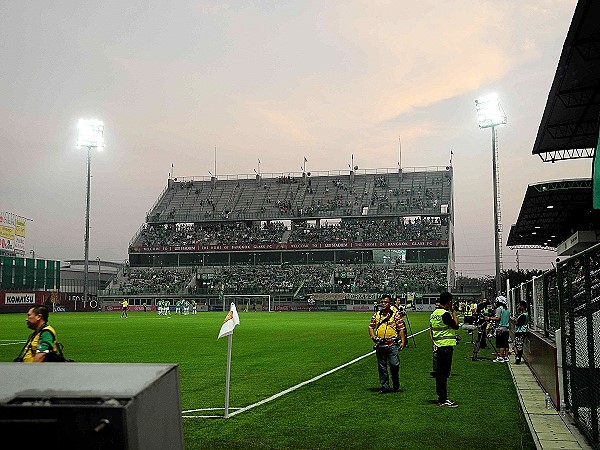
{"x":502,"y":338}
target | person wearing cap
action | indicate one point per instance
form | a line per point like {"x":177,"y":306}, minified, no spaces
{"x":388,"y":334}
{"x":503,"y":318}
{"x":442,"y":325}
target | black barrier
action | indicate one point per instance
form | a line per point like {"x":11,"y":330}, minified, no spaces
{"x":567,"y":299}
{"x":579,"y":287}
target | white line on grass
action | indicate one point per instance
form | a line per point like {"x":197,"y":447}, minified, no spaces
{"x":205,"y":409}
{"x":293,"y":388}
{"x":202,"y":417}
{"x":185,"y":416}
{"x":13,"y":343}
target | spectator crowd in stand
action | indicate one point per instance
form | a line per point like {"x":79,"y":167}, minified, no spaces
{"x":232,"y":233}
{"x":152,"y":281}
{"x":353,"y":230}
{"x":286,"y":279}
{"x":289,"y":197}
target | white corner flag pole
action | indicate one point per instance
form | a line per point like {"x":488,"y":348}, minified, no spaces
{"x":228,"y":375}
{"x":229,"y":324}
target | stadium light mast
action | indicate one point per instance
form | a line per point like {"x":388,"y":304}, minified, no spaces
{"x":90,"y":134}
{"x":490,"y":115}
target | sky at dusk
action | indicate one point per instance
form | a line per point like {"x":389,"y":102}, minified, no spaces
{"x":276,"y":82}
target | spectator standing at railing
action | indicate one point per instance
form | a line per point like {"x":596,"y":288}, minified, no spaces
{"x":503,"y":318}
{"x":521,"y":322}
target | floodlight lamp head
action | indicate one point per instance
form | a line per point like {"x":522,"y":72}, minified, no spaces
{"x":90,"y":133}
{"x":489,"y":111}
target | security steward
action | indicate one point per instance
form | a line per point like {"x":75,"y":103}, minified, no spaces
{"x":442,"y":325}
{"x":389,"y":338}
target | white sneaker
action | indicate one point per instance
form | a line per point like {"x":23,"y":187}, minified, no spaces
{"x":499,"y":359}
{"x":448,"y":404}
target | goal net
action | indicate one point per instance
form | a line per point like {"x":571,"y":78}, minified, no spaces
{"x":248,"y":302}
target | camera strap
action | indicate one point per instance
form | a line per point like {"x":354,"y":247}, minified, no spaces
{"x":385,"y":320}
{"x":28,"y":344}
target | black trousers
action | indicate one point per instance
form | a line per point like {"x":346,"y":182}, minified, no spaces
{"x":444,"y":366}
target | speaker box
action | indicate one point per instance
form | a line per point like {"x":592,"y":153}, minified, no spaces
{"x":90,"y":406}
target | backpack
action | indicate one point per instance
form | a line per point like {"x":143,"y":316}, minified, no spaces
{"x":58,"y":355}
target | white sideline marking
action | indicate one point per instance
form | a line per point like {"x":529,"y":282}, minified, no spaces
{"x":293,"y":388}
{"x":13,"y":343}
{"x":187,"y":416}
{"x":205,"y":409}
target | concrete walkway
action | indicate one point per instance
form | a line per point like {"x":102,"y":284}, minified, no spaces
{"x":549,"y":429}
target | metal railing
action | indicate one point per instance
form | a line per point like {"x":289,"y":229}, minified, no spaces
{"x":568,"y":298}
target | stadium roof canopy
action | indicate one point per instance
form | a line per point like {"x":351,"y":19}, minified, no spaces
{"x":552,"y":211}
{"x":569,"y":126}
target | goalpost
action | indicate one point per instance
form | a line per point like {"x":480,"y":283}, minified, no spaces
{"x":245,"y":299}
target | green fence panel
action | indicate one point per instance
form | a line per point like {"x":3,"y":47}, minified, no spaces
{"x":19,"y":280}
{"x":7,"y":271}
{"x":50,"y":275}
{"x":40,"y":273}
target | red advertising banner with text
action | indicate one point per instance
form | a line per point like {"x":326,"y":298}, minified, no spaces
{"x":289,"y":246}
{"x":21,"y":301}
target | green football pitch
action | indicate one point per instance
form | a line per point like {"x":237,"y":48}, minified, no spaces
{"x":275,"y":352}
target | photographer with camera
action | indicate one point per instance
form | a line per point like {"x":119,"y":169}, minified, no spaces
{"x":389,"y":338}
{"x":502,"y":317}
{"x":43,"y":338}
{"x":442,"y":323}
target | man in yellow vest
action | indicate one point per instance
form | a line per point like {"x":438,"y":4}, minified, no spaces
{"x":388,"y":335}
{"x":442,"y":325}
{"x":43,"y":338}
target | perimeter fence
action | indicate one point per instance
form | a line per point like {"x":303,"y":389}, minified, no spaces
{"x":568,"y":299}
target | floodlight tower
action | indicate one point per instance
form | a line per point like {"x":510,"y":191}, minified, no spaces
{"x":490,"y":115}
{"x":90,"y":134}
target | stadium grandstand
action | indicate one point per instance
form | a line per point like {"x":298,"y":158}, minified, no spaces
{"x":339,"y":238}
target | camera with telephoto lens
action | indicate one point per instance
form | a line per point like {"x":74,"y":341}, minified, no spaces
{"x":376,"y":342}
{"x":379,"y":342}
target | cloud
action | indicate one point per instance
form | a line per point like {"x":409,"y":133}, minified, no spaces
{"x":283,"y":122}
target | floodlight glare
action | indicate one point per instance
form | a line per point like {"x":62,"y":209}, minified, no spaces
{"x":489,"y":111}
{"x":90,"y":133}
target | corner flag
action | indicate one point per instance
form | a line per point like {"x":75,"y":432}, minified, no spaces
{"x":230,"y":322}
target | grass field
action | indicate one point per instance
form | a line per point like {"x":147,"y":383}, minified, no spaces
{"x":275,"y":351}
